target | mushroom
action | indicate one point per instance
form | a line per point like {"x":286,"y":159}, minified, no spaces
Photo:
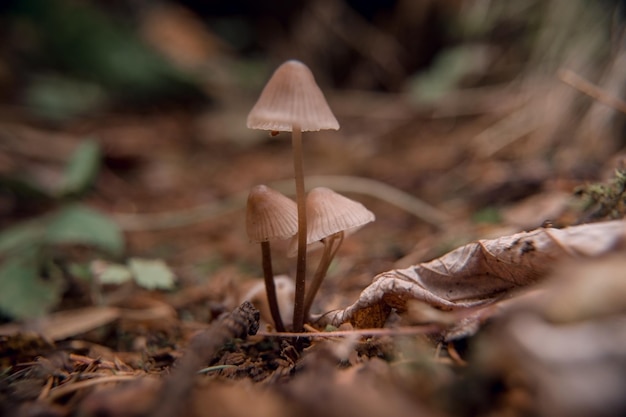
{"x":331,"y":217}
{"x":270,"y":216}
{"x":257,"y":294}
{"x":292,"y":102}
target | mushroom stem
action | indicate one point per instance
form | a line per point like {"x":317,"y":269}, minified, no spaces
{"x":331,"y":245}
{"x":298,"y":308}
{"x":270,"y":287}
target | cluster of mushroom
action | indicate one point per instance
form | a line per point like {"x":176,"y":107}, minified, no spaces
{"x":292,"y":102}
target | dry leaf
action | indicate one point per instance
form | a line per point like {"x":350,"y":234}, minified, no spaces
{"x":64,"y":324}
{"x":480,"y":272}
{"x":558,"y":349}
{"x":586,"y":290}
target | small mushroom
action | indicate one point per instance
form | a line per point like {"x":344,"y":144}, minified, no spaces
{"x":292,"y":98}
{"x":257,"y":295}
{"x":270,"y":216}
{"x":292,"y":102}
{"x":331,"y":217}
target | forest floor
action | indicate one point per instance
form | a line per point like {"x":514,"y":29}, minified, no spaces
{"x":119,"y":350}
{"x":490,"y":283}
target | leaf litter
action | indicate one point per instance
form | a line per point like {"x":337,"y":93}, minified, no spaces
{"x":482,"y":281}
{"x":525,"y":323}
{"x":480,"y":273}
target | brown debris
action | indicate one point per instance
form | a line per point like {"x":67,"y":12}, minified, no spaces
{"x":239,"y":324}
{"x":514,"y":324}
{"x":481,"y":272}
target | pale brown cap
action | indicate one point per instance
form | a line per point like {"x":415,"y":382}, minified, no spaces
{"x":270,"y":215}
{"x":292,"y":98}
{"x":328,"y":213}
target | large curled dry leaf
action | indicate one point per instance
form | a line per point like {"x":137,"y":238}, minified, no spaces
{"x":480,"y":272}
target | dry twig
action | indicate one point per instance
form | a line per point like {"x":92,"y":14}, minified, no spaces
{"x":397,"y":331}
{"x":570,"y":78}
{"x":243,"y":321}
{"x":339,"y":183}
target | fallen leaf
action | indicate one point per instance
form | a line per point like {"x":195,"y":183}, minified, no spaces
{"x":64,"y":324}
{"x":552,"y":362}
{"x":82,"y":168}
{"x":152,"y":273}
{"x":579,"y":291}
{"x":24,"y":293}
{"x":81,"y":225}
{"x":480,"y":272}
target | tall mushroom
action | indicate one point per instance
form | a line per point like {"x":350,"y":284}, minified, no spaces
{"x":270,"y":216}
{"x":292,"y":102}
{"x":331,"y":216}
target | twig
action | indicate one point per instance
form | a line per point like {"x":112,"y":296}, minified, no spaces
{"x":65,"y":389}
{"x":454,"y":354}
{"x":397,"y":331}
{"x":506,"y":131}
{"x":243,"y":321}
{"x":46,"y":389}
{"x":572,"y":79}
{"x":339,"y":183}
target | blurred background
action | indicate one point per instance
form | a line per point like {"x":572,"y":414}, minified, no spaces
{"x":490,"y":112}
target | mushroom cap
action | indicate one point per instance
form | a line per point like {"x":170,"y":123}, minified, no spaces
{"x":270,"y":215}
{"x":328,"y":213}
{"x":292,"y":98}
{"x":285,"y":294}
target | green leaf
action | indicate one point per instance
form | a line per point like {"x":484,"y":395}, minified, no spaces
{"x":83,"y":41}
{"x":24,"y":294}
{"x":152,"y":274}
{"x":81,"y":168}
{"x":81,"y":225}
{"x":25,"y":234}
{"x":115,"y":274}
{"x":59,"y":98}
{"x":487,"y":215}
{"x":80,"y":271}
